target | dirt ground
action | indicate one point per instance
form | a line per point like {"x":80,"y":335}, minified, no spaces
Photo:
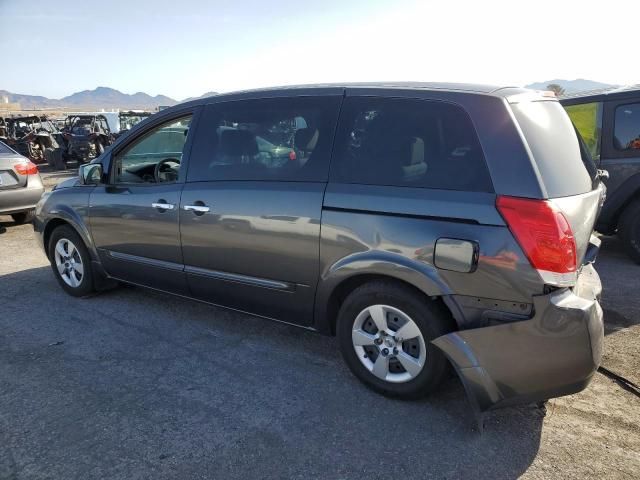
{"x":137,"y":390}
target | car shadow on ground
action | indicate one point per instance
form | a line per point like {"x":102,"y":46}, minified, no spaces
{"x":620,"y":303}
{"x":7,"y":222}
{"x":132,"y":377}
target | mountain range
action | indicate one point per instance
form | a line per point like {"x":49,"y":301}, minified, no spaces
{"x":110,"y":98}
{"x":99,"y":98}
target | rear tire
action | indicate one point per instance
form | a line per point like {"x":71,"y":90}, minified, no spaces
{"x":71,"y":262}
{"x":49,"y":156}
{"x":412,"y":366}
{"x":23,"y":217}
{"x":629,"y":230}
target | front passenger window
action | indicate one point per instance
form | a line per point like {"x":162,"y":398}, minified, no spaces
{"x":156,"y":157}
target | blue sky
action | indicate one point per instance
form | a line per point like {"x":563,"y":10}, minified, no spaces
{"x":185,"y":48}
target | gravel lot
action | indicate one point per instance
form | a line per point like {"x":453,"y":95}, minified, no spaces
{"x":136,"y":384}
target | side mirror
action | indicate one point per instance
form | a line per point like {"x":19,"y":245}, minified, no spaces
{"x":90,"y":174}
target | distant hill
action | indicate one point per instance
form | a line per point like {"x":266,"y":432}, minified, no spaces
{"x":28,"y":101}
{"x":99,"y":98}
{"x":105,"y":97}
{"x":208,"y":94}
{"x":571,"y":86}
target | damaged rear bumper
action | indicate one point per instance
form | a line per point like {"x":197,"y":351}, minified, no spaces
{"x":554,"y":353}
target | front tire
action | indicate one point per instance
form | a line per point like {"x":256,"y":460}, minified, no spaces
{"x":71,"y":262}
{"x":385,"y":330}
{"x":629,"y":230}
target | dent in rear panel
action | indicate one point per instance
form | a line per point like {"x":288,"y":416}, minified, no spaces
{"x":503,"y":272}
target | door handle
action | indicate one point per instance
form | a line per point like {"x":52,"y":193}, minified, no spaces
{"x":197,"y":209}
{"x":162,"y":205}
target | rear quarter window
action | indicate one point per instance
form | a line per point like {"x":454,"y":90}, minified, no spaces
{"x":555,"y":148}
{"x":408,"y":143}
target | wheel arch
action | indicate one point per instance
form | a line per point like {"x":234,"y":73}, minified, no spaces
{"x":345,"y":276}
{"x":67,"y":218}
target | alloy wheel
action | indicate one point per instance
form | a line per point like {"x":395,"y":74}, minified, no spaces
{"x":389,"y":343}
{"x":69,"y":262}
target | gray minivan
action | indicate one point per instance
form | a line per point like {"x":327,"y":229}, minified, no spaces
{"x":423,"y":224}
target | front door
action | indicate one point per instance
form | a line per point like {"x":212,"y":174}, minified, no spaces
{"x":251,"y":208}
{"x":134,"y":218}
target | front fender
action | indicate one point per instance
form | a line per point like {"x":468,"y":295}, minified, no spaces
{"x":374,"y":262}
{"x":72,"y":208}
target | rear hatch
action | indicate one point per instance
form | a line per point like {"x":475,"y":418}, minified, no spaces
{"x":9,"y":177}
{"x":569,"y":177}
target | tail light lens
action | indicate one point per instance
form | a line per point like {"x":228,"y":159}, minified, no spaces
{"x":26,"y":168}
{"x":545,"y":236}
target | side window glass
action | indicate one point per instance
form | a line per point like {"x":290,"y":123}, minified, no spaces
{"x":408,"y":143}
{"x":587,"y":118}
{"x":626,"y":127}
{"x":156,"y":156}
{"x":286,"y":139}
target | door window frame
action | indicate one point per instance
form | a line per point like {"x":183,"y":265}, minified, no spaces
{"x":145,"y":129}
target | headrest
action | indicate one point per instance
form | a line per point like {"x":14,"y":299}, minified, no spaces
{"x":417,"y":167}
{"x":238,"y":143}
{"x":417,"y":150}
{"x":306,"y":138}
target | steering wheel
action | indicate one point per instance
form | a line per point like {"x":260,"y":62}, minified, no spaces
{"x":158,"y":172}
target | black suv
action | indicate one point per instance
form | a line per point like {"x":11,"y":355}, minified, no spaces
{"x":609,"y":122}
{"x":417,"y":222}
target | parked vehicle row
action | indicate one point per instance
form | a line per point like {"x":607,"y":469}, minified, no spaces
{"x":77,"y":138}
{"x":34,"y":137}
{"x":417,"y":222}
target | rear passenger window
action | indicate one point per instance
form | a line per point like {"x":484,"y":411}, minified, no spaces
{"x":626,"y":133}
{"x":408,"y":143}
{"x":279,"y":139}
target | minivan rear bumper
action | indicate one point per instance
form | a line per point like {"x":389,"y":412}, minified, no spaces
{"x":554,"y":353}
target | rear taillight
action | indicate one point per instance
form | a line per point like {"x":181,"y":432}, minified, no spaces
{"x":26,"y":168}
{"x":544,"y":235}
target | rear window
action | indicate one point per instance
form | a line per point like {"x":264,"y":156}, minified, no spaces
{"x":566,"y":168}
{"x":408,"y":143}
